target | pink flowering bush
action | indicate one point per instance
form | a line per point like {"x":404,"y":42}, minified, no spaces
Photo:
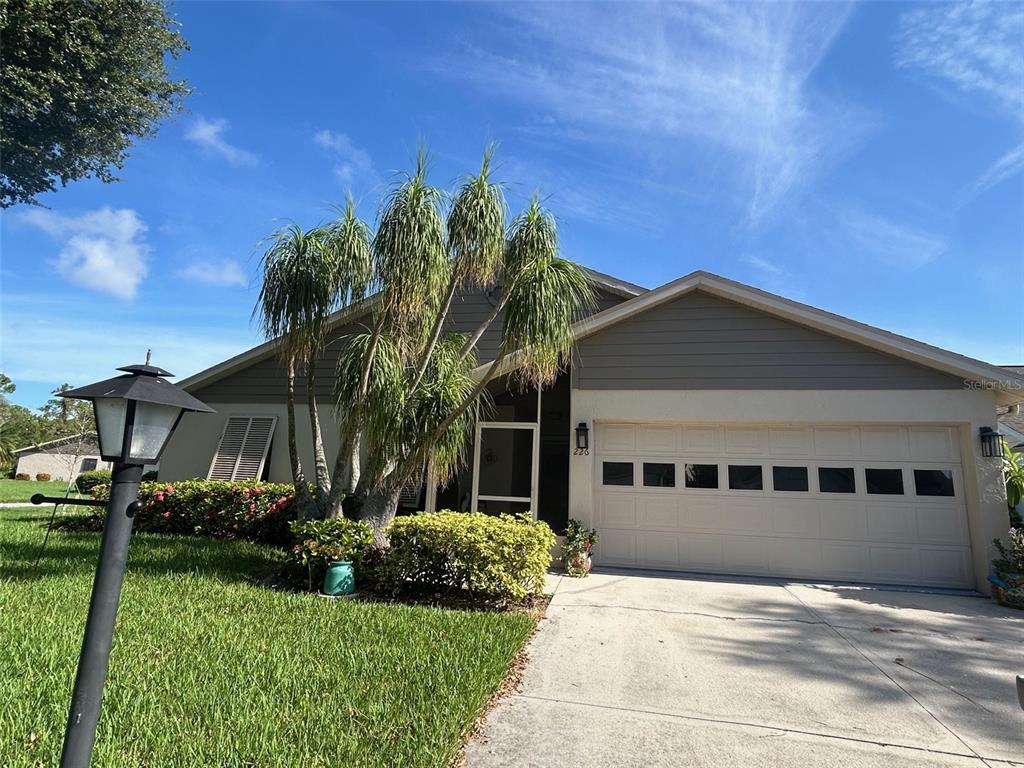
{"x":249,"y":509}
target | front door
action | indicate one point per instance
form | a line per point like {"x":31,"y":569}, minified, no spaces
{"x":505,"y":465}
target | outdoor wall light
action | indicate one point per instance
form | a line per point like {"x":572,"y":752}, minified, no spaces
{"x":991,"y":443}
{"x":135,"y":416}
{"x":582,"y":439}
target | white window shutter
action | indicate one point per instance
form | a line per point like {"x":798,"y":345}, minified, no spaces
{"x":410,"y":493}
{"x":243,"y":447}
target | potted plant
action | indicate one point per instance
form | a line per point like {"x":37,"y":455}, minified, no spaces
{"x":579,"y":542}
{"x":327,"y":551}
{"x":1008,"y":580}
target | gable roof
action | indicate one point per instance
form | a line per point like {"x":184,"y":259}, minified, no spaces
{"x":1012,"y":428}
{"x":1007,"y":386}
{"x":352,"y":312}
{"x":58,"y":441}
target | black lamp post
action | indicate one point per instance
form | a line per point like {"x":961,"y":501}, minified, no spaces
{"x":135,"y":416}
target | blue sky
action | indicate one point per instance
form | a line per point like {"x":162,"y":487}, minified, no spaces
{"x":866,"y":159}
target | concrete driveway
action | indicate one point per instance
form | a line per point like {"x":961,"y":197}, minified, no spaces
{"x":654,"y":670}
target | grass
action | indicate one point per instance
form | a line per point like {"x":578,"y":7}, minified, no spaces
{"x":22,"y":490}
{"x":208,"y":669}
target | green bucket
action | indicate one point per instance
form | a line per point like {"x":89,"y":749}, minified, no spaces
{"x":340,"y":579}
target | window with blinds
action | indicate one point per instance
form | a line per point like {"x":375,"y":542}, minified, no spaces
{"x":243,"y":448}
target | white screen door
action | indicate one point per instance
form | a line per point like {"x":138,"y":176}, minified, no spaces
{"x":505,"y":465}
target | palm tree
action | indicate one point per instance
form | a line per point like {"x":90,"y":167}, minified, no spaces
{"x":404,"y":389}
{"x":307,"y":275}
{"x":411,"y":388}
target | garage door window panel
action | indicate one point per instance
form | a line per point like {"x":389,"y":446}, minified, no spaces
{"x":617,"y":473}
{"x":885,"y":481}
{"x":933,"y":482}
{"x":836,"y":480}
{"x":746,"y":477}
{"x":789,"y":479}
{"x":702,"y":476}
{"x":659,"y":475}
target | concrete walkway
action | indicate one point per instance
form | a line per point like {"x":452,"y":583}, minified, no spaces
{"x":654,"y":670}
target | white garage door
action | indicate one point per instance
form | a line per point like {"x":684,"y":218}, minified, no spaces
{"x":867,"y":503}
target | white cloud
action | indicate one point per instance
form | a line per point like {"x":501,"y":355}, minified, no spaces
{"x":226,"y":273}
{"x":974,"y":48}
{"x":350,"y":162}
{"x":772,"y":277}
{"x":209,"y":134}
{"x":763,"y":265}
{"x":102,"y":250}
{"x":891,"y":243}
{"x":1009,"y":164}
{"x":731,"y":79}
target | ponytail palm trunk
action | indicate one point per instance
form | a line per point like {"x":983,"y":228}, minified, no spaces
{"x":322,"y":471}
{"x":307,"y":275}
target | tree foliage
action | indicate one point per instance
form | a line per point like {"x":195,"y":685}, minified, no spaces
{"x":405,"y":391}
{"x":80,"y":82}
{"x":21,"y":427}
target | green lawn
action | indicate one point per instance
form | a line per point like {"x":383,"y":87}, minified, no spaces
{"x":210,"y":670}
{"x":22,"y":490}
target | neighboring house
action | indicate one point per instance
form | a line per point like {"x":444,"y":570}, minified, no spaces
{"x":730,"y":431}
{"x":1011,"y":422}
{"x":1011,"y":427}
{"x":62,"y":459}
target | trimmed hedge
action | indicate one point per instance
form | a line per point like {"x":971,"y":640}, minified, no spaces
{"x":504,"y":557}
{"x":89,"y":480}
{"x":250,"y":510}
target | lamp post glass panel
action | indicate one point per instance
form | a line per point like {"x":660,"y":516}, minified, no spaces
{"x":135,"y":416}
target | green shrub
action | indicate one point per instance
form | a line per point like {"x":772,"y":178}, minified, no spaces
{"x":89,"y":480}
{"x":221,"y":509}
{"x":43,"y":477}
{"x":1011,"y":553}
{"x":504,"y":557}
{"x":320,"y":542}
{"x":23,"y":476}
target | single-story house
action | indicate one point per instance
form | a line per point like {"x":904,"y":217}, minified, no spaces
{"x":62,"y":459}
{"x":726,"y":429}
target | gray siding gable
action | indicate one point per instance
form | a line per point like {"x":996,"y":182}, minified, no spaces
{"x":702,"y":341}
{"x":264,"y":380}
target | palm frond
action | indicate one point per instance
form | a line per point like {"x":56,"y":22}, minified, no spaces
{"x":409,"y":253}
{"x":298,"y":292}
{"x":532,"y":236}
{"x":546,"y":295}
{"x":347,"y":244}
{"x":446,"y":384}
{"x":381,"y":411}
{"x":476,"y":227}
